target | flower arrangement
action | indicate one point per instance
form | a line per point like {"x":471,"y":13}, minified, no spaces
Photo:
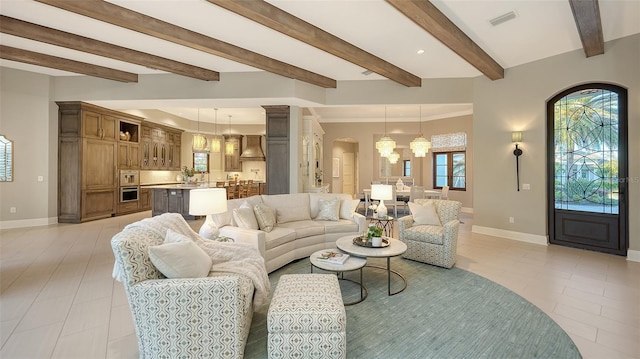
{"x":188,"y":172}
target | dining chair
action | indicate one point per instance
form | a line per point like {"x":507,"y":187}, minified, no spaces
{"x":445,"y":192}
{"x":367,"y":202}
{"x":393,"y":202}
{"x":415,"y":193}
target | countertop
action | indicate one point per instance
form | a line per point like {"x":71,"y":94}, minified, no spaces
{"x":184,"y":186}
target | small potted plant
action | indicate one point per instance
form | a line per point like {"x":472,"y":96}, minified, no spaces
{"x":374,"y":235}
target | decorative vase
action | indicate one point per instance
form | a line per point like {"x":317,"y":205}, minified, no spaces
{"x":376,"y":241}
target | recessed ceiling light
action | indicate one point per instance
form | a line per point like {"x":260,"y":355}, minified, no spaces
{"x":420,"y":52}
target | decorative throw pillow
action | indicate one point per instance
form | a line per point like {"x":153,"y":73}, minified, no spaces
{"x":425,"y":213}
{"x":265,"y":216}
{"x":180,"y":257}
{"x":348,"y":208}
{"x":328,"y":209}
{"x":245,"y":218}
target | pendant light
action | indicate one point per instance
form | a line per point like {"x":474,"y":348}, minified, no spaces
{"x":215,"y":141}
{"x":386,"y":144}
{"x":228,"y":147}
{"x":199,"y":141}
{"x":420,"y":145}
{"x":393,"y":157}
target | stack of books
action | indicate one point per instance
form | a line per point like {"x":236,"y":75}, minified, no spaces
{"x":334,"y":257}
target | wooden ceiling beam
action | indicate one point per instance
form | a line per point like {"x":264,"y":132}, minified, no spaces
{"x":120,"y":16}
{"x":35,"y":58}
{"x":428,"y":17}
{"x":277,"y":19}
{"x":51,"y":36}
{"x":586,"y":14}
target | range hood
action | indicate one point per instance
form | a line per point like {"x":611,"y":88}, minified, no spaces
{"x":253,"y":151}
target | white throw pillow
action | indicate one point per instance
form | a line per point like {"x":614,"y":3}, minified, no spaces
{"x":425,"y":213}
{"x":245,"y":218}
{"x":180,"y":257}
{"x":265,"y":216}
{"x":348,"y":208}
{"x":328,"y":209}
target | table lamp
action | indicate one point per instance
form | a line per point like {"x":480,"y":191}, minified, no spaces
{"x":208,"y":201}
{"x":381,"y":192}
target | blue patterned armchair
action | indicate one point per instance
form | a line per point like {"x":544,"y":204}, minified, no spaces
{"x":181,"y":318}
{"x":429,"y":243}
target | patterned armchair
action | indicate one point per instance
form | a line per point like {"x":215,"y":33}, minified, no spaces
{"x":180,"y":318}
{"x":432,"y":244}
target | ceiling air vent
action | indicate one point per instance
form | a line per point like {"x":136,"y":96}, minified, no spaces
{"x":503,"y":18}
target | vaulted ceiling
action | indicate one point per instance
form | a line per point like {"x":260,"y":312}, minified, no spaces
{"x":322,"y":42}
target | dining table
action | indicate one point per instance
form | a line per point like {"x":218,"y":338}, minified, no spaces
{"x":406,"y":192}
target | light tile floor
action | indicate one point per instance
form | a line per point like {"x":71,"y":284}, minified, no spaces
{"x":57,"y":298}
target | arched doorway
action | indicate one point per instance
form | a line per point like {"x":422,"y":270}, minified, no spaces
{"x":587,"y":168}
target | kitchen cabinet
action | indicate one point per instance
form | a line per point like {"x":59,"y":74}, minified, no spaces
{"x":171,"y":200}
{"x":128,"y":155}
{"x":88,"y":138}
{"x":99,"y":126}
{"x":232,"y":162}
{"x":144,"y":203}
{"x":160,"y":147}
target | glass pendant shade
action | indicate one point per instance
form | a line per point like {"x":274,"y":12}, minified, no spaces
{"x":199,"y":141}
{"x":228,"y":148}
{"x":420,"y":146}
{"x":215,"y":145}
{"x":394,"y":157}
{"x":385,"y":146}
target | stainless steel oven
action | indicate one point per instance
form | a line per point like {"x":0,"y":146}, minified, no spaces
{"x":129,"y":194}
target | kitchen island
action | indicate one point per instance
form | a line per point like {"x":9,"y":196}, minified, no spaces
{"x":173,"y":198}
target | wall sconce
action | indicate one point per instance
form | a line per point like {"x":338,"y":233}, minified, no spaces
{"x":517,"y":137}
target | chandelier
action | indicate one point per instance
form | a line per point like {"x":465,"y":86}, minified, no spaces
{"x":386,"y":144}
{"x":420,"y":145}
{"x":393,"y":157}
{"x":199,"y":141}
{"x":228,"y":147}
{"x":215,"y":141}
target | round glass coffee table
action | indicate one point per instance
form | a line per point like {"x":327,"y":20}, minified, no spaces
{"x":352,"y":263}
{"x":394,"y":249}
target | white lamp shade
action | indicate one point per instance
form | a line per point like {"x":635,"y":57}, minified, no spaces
{"x":382,"y":192}
{"x":206,"y":201}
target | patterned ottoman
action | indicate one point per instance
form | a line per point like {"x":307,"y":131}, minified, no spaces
{"x":306,"y":318}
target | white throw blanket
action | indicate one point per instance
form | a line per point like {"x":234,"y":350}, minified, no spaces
{"x":226,"y":257}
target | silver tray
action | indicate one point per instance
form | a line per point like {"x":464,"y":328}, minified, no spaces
{"x":362,"y":242}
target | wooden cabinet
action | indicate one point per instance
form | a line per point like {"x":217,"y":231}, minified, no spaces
{"x":98,"y":125}
{"x":144,"y":203}
{"x":128,"y":155}
{"x":88,"y":161}
{"x":160,"y":147}
{"x":232,"y":162}
{"x":171,"y":200}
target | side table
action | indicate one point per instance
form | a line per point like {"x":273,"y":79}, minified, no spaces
{"x":386,"y":223}
{"x":351,"y":264}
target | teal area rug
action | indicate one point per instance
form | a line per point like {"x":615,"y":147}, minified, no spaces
{"x":443,"y":313}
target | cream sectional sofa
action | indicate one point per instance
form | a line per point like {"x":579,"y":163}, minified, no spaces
{"x":298,"y":231}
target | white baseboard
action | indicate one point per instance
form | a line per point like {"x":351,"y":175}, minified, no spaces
{"x":633,"y":256}
{"x":466,"y":210}
{"x":516,"y":236}
{"x":34,"y":222}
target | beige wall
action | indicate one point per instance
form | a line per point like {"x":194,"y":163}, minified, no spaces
{"x":403,"y":132}
{"x":30,"y":120}
{"x":517,"y":102}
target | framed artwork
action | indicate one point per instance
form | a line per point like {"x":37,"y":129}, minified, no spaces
{"x":336,"y":167}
